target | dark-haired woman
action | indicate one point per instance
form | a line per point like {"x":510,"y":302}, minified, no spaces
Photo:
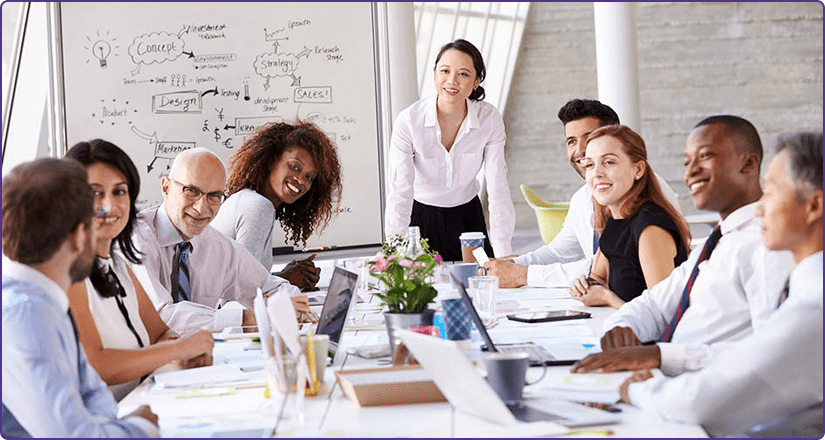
{"x":642,"y":237}
{"x":285,"y":172}
{"x":121,"y":332}
{"x":439,"y":145}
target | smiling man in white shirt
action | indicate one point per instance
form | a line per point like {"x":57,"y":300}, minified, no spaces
{"x":221,"y":275}
{"x":775,"y":374}
{"x":704,"y":301}
{"x":570,"y":254}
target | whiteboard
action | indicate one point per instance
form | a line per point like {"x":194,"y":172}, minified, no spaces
{"x":160,"y":78}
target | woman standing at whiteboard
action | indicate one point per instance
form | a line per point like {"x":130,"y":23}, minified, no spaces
{"x":439,"y":145}
{"x":284,"y":172}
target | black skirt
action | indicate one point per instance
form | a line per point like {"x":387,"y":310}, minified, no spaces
{"x":443,"y":226}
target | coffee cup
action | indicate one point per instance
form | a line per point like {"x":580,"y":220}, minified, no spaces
{"x":507,"y":374}
{"x":469,"y":242}
{"x":463,"y":271}
{"x":457,"y":320}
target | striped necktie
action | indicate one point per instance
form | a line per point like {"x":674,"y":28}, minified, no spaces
{"x":684,"y":303}
{"x":180,"y":278}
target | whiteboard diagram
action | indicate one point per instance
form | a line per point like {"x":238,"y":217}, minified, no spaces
{"x":160,"y":78}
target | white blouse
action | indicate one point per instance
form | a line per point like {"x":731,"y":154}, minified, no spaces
{"x":421,"y":168}
{"x":110,"y":323}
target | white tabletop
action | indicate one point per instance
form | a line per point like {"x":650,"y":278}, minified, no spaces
{"x":332,"y":413}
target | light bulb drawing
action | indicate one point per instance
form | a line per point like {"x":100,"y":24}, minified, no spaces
{"x":101,"y":50}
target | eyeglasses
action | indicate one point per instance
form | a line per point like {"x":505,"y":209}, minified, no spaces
{"x":194,"y":193}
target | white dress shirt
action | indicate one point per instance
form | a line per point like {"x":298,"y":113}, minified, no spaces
{"x":570,"y":253}
{"x":222,"y":274}
{"x":768,"y":375}
{"x":421,"y":168}
{"x":736,"y":288}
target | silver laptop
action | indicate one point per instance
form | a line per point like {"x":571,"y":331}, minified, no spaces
{"x":470,"y":393}
{"x":338,"y":304}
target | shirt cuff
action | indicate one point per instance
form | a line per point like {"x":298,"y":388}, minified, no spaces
{"x":230,"y":315}
{"x":539,"y":275}
{"x":149,"y":429}
{"x":673,"y":357}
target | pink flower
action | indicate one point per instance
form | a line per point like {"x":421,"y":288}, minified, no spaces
{"x":438,"y":258}
{"x":405,"y":263}
{"x":380,"y":264}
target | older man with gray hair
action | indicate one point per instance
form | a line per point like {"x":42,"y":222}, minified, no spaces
{"x":201,"y":278}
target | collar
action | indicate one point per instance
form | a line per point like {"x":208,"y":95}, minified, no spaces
{"x":808,"y":269}
{"x":431,"y":113}
{"x":167,"y":234}
{"x":738,"y":218}
{"x":28,"y":274}
{"x":106,"y":264}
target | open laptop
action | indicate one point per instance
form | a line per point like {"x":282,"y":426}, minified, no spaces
{"x":538,"y":354}
{"x":338,"y":304}
{"x":470,"y":393}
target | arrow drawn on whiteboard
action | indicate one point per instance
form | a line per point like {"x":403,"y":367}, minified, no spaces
{"x":149,"y":167}
{"x":304,"y":53}
{"x":214,"y":92}
{"x":153,"y":138}
{"x":191,"y":54}
{"x":275,"y":42}
{"x":184,"y":30}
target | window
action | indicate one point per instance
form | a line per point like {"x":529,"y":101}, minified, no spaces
{"x":495,"y":28}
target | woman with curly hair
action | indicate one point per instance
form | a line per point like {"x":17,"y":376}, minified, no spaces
{"x":287,"y":172}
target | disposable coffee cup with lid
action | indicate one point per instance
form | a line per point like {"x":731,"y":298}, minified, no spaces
{"x":470,"y":241}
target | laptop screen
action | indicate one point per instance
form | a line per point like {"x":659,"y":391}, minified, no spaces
{"x":468,"y":302}
{"x":336,"y":306}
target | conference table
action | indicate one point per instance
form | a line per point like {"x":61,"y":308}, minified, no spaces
{"x":242,"y":410}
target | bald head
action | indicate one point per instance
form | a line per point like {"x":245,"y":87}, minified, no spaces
{"x":197,"y":158}
{"x":193,"y":190}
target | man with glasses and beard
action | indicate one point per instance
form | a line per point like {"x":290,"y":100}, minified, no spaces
{"x":49,"y":388}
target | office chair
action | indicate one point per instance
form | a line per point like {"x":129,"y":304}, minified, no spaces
{"x":550,"y":216}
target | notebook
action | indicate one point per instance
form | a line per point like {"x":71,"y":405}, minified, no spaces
{"x":538,"y":354}
{"x":470,"y":393}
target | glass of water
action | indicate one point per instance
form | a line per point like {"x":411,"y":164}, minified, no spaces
{"x":483,"y":290}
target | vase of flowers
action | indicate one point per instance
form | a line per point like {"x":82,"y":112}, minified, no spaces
{"x":406,"y":267}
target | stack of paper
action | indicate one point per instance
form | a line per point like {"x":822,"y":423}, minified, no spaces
{"x":212,"y":376}
{"x":592,"y":387}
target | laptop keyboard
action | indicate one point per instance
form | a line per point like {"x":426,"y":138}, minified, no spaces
{"x":537,"y":353}
{"x":527,"y":414}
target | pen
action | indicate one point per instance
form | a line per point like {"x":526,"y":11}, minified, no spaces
{"x":219,"y":339}
{"x":589,"y":431}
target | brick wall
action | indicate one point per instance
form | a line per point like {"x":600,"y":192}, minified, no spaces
{"x":761,"y":61}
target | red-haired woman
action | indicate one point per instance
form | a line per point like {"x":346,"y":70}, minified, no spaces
{"x":287,"y":172}
{"x":642,"y":237}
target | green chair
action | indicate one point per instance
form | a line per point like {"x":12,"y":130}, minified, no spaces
{"x":550,"y":216}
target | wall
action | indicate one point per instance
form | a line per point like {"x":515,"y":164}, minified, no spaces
{"x":695,"y":59}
